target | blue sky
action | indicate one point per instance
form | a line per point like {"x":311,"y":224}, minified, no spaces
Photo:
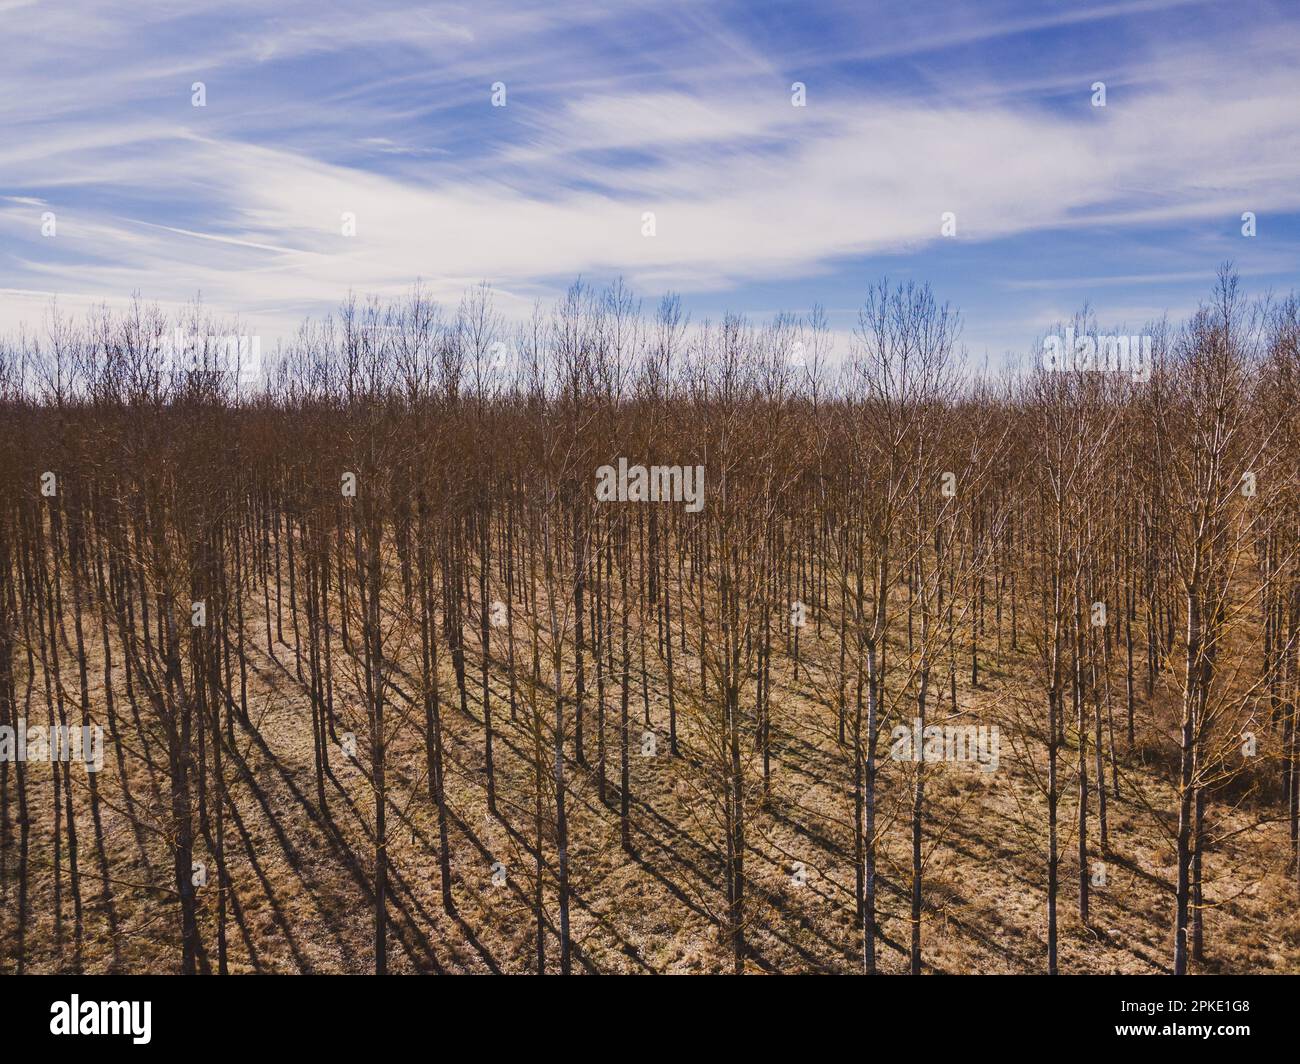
{"x":684,"y":110}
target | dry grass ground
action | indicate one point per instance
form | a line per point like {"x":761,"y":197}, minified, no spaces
{"x":300,"y":877}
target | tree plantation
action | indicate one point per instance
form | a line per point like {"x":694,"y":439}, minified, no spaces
{"x":612,"y":642}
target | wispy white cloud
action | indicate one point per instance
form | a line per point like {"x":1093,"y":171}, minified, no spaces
{"x":245,"y":205}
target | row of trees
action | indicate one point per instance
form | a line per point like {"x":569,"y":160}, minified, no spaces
{"x":401,"y":517}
